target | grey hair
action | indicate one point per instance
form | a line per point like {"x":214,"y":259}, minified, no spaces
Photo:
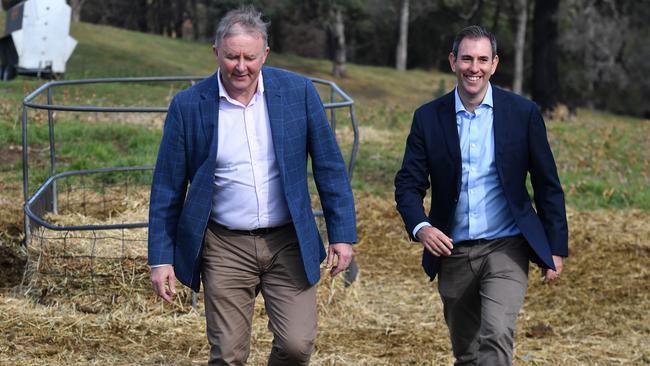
{"x":474,"y":32}
{"x":244,"y":20}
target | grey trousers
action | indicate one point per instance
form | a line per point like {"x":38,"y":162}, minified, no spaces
{"x":482,"y":285}
{"x":235,"y":267}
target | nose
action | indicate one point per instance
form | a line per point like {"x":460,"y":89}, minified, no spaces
{"x":473,"y":67}
{"x":240,"y":64}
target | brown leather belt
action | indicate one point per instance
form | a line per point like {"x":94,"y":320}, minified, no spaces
{"x":253,"y":232}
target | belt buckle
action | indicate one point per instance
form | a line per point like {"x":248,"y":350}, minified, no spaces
{"x":259,"y":231}
{"x":264,"y":230}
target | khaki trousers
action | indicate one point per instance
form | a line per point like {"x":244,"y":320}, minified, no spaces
{"x":235,"y":268}
{"x":482,"y":285}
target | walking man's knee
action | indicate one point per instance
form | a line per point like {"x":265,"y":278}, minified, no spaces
{"x":291,"y":352}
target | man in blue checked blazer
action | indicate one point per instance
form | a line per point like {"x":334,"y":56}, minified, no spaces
{"x":230,"y":205}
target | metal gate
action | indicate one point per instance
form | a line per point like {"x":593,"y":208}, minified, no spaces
{"x":111,"y":246}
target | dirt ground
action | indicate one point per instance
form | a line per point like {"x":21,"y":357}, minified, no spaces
{"x":597,"y":314}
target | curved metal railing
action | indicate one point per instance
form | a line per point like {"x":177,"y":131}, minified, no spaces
{"x":35,"y":208}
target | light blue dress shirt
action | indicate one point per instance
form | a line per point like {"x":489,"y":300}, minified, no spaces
{"x":482,"y":211}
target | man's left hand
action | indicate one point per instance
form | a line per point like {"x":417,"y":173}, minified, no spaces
{"x":551,"y":275}
{"x":343,"y":252}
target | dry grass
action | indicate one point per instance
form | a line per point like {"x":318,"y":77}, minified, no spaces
{"x":596,"y":315}
{"x":367,"y":135}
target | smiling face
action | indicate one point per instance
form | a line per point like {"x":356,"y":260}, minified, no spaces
{"x":240,"y":59}
{"x":473,"y":67}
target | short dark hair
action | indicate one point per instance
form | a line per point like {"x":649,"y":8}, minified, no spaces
{"x":245,"y":19}
{"x":474,"y":32}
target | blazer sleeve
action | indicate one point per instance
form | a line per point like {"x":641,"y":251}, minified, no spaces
{"x":330,"y":173}
{"x":168,"y":189}
{"x":548,"y":194}
{"x":412,"y":180}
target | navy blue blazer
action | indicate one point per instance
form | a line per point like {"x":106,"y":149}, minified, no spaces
{"x":178,"y":214}
{"x":433,"y":160}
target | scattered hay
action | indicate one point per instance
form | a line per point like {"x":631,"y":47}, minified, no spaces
{"x":596,"y":313}
{"x":103,"y":267}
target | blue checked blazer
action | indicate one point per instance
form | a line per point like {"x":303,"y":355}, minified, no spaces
{"x":182,"y":187}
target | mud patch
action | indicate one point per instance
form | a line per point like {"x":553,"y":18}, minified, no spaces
{"x":11,"y":154}
{"x":12,"y":264}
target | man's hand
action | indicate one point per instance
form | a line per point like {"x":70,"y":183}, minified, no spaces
{"x":163,"y":280}
{"x":343,"y":252}
{"x":550,"y":275}
{"x":435,"y":241}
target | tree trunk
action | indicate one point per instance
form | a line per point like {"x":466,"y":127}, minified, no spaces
{"x":177,"y":18}
{"x":521,"y":7}
{"x":402,"y":40}
{"x":546,"y":84}
{"x":193,"y":21}
{"x":338,"y":69}
{"x":76,"y":6}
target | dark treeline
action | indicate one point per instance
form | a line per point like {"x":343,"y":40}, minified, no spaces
{"x":589,"y":53}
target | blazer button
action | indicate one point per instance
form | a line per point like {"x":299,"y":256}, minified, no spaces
{"x":455,"y":200}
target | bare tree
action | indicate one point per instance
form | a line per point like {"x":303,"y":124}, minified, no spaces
{"x":521,"y":9}
{"x":76,"y":6}
{"x":402,"y":40}
{"x":338,"y":31}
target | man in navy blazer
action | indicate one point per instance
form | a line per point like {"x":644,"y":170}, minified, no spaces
{"x":474,"y":148}
{"x":230,"y":204}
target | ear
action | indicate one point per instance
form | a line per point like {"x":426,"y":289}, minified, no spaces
{"x":452,"y":61}
{"x":495,"y":62}
{"x":266,"y":54}
{"x":215,"y":52}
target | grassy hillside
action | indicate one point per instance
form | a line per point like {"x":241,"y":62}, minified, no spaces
{"x":603,"y":159}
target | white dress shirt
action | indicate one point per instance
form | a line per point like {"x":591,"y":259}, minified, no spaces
{"x":248,"y":190}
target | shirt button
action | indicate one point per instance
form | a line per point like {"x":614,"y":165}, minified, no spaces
{"x":473,"y":169}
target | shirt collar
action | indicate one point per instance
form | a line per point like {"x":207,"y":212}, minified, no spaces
{"x":487,"y":100}
{"x":224,"y":94}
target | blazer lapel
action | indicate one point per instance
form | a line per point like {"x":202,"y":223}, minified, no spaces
{"x":501,"y":124}
{"x":447,"y":115}
{"x":276,"y":116}
{"x":447,"y":118}
{"x":209,"y":108}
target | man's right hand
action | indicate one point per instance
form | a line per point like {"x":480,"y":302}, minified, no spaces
{"x":163,"y":280}
{"x":435,"y":241}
